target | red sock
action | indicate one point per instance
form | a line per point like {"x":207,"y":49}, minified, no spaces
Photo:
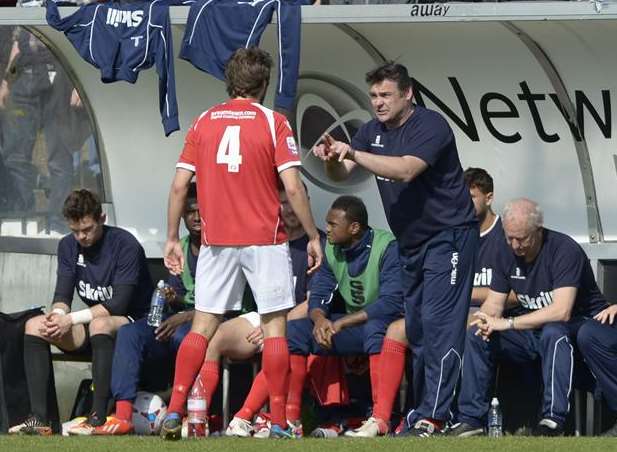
{"x":210,"y":376}
{"x":392,"y":366}
{"x":374,"y":370}
{"x":124,"y":410}
{"x":257,"y":398}
{"x":275,"y":363}
{"x":297,"y":376}
{"x":188,"y":362}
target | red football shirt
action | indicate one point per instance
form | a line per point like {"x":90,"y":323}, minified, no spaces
{"x":237,"y":150}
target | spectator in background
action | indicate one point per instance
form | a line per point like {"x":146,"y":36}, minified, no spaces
{"x":36,"y":94}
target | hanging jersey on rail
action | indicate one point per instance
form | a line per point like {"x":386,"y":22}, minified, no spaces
{"x":217,"y":28}
{"x":121,"y":39}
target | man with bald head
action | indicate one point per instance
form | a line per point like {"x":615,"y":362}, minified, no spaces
{"x":554,"y":283}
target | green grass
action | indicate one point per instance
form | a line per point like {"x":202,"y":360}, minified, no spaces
{"x":151,"y":444}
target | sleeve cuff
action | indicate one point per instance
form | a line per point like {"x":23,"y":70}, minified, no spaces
{"x":288,"y":165}
{"x":171,"y":125}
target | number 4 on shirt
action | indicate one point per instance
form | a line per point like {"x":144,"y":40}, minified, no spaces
{"x":229,"y":149}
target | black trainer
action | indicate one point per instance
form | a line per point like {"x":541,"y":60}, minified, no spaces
{"x":95,"y":420}
{"x":423,"y":429}
{"x":611,"y":432}
{"x":548,"y":427}
{"x":464,"y":430}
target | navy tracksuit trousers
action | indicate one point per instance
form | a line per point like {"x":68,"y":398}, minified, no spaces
{"x":437,"y":284}
{"x":552,"y":344}
{"x":139,"y":357}
{"x":598,"y":345}
{"x":357,"y":340}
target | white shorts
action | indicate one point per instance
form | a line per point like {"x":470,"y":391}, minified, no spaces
{"x":223,"y":271}
{"x":252,"y":317}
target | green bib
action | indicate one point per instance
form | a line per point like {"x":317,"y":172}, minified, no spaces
{"x":187,"y":280}
{"x":362,"y":290}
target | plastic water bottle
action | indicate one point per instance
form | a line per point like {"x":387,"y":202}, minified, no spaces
{"x":157,"y":306}
{"x":196,"y":416}
{"x":495,"y":420}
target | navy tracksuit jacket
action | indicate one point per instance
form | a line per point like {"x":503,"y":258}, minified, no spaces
{"x":122,"y":39}
{"x":217,"y":28}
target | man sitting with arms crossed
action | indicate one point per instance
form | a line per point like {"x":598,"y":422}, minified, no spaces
{"x":362,"y":264}
{"x":553,"y":280}
{"x":107,"y":267}
{"x":139,"y":344}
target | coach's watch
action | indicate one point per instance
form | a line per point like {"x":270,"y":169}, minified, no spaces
{"x":510,"y":323}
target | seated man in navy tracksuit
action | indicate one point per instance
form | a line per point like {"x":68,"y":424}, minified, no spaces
{"x":362,"y":265}
{"x":597,"y":342}
{"x":140,"y":346}
{"x":553,"y":280}
{"x":107,"y":267}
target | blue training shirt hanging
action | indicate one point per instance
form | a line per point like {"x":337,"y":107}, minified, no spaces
{"x":217,"y":28}
{"x":123,"y":38}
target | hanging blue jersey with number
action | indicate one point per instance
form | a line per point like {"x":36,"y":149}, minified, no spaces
{"x":215,"y":29}
{"x":122,"y":39}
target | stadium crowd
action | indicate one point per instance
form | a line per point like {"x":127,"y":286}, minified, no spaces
{"x":454,"y":290}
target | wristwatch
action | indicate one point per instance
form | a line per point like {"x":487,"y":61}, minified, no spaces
{"x":510,"y":323}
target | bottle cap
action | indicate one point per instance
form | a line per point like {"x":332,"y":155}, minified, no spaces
{"x":495,"y":402}
{"x":160,"y":284}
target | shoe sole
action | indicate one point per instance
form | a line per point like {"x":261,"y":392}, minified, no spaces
{"x":237,"y":435}
{"x":477,"y":432}
{"x":46,"y":431}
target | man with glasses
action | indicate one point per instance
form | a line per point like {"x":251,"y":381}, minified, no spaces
{"x":554,"y":283}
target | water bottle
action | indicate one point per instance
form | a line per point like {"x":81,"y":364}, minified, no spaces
{"x":196,"y":416}
{"x":495,"y":420}
{"x":157,"y":306}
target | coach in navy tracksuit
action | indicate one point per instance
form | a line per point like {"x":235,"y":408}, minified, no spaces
{"x":553,"y":280}
{"x":412,"y":152}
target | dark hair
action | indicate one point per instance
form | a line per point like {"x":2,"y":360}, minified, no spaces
{"x":479,"y":178}
{"x":246,"y":72}
{"x":354,"y":208}
{"x":81,"y":204}
{"x":191,"y":194}
{"x":390,"y":71}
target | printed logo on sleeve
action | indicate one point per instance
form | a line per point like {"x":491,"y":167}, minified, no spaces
{"x":291,"y":145}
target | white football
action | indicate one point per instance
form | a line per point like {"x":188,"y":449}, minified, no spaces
{"x":149,"y":411}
